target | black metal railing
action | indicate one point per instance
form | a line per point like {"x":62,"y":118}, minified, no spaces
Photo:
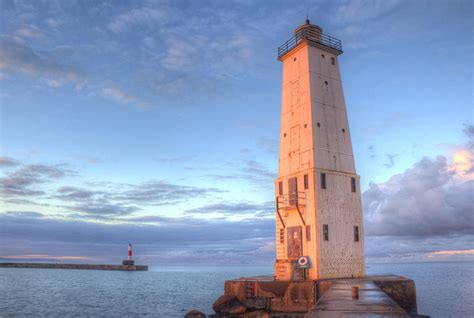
{"x":312,"y":36}
{"x":292,"y":200}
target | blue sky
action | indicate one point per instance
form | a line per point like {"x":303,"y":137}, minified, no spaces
{"x":156,"y":122}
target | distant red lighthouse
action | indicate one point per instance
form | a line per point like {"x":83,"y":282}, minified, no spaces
{"x":129,"y":261}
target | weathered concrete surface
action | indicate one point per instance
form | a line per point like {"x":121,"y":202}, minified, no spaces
{"x":372,"y":301}
{"x":77,"y":266}
{"x":265,"y":297}
{"x":400,"y":289}
{"x":268,"y":294}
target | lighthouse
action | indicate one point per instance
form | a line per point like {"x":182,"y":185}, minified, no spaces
{"x":319,"y":230}
{"x":129,"y":261}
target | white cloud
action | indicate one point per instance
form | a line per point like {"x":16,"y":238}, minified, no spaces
{"x":117,"y":94}
{"x":145,"y":15}
{"x":360,"y":10}
{"x":29,"y":32}
{"x":17,"y":57}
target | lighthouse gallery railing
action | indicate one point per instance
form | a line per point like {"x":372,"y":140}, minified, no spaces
{"x":315,"y":38}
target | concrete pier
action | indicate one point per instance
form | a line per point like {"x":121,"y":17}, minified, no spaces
{"x":341,"y":300}
{"x":77,"y":266}
{"x":377,"y":296}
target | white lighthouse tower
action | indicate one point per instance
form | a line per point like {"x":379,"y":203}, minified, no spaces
{"x":319,"y":230}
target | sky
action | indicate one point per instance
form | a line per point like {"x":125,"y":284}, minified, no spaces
{"x":157,"y":123}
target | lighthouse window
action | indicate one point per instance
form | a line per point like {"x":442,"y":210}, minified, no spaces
{"x":322,"y":55}
{"x":343,"y":131}
{"x":356,"y":234}
{"x":306,"y":183}
{"x":284,"y":135}
{"x":318,"y":124}
{"x":293,"y":191}
{"x":323,"y":181}
{"x":280,"y":188}
{"x":325,"y":232}
{"x":305,"y":125}
{"x":326,"y":82}
{"x":308,"y":233}
{"x":282,"y":235}
{"x":294,"y":59}
{"x":333,"y":61}
{"x":353,"y":185}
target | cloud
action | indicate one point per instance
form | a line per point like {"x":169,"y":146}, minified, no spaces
{"x":17,"y":57}
{"x":391,"y":160}
{"x":146,"y":15}
{"x":21,"y":181}
{"x":28,"y":214}
{"x":8,"y":162}
{"x":251,"y":171}
{"x":425,"y":200}
{"x":258,"y":170}
{"x":102,"y":201}
{"x":44,"y":257}
{"x":173,"y":239}
{"x":389,"y":248}
{"x":456,"y":252}
{"x":103,"y":209}
{"x":361,"y":10}
{"x":119,"y":95}
{"x":371,"y":150}
{"x":468,"y":130}
{"x":177,"y":159}
{"x":235,"y":208}
{"x":68,"y":193}
{"x":270,"y":145}
{"x":160,"y":192}
{"x":29,"y":31}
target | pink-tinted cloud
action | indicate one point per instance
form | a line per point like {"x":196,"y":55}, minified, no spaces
{"x":456,"y":252}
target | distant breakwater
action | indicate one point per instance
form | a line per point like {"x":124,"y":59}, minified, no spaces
{"x":77,"y":266}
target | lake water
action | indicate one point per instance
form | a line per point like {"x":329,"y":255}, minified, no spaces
{"x":443,"y":289}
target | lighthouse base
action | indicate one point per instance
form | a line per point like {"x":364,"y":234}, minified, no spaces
{"x":266,"y":297}
{"x":128,"y":262}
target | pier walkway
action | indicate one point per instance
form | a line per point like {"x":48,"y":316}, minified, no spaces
{"x":372,"y":302}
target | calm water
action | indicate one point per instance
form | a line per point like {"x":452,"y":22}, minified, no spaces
{"x":444,"y":289}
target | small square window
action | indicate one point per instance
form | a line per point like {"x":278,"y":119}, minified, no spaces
{"x":353,"y":185}
{"x":325,"y":232}
{"x":356,"y":234}
{"x":333,"y":61}
{"x":280,"y":188}
{"x":306,"y":182}
{"x":323,"y":181}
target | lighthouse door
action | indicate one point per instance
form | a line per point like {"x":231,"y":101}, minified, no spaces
{"x":295,"y":248}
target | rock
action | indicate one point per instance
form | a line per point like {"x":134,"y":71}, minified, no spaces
{"x":194,"y":314}
{"x":221,"y":302}
{"x":228,"y":305}
{"x":237,"y":309}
